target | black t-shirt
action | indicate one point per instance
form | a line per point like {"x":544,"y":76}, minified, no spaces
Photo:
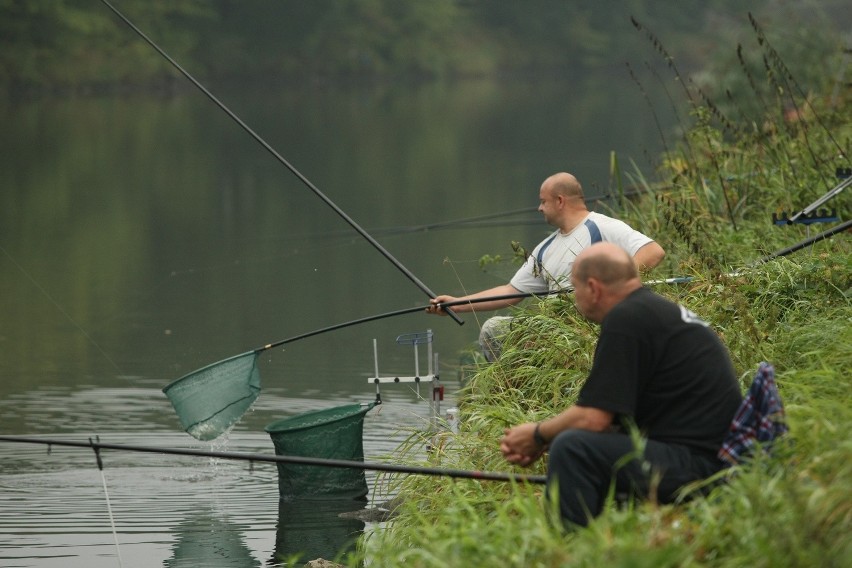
{"x":657,"y":363}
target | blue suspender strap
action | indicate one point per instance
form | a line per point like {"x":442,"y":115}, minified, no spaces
{"x":543,"y":248}
{"x":594,"y":232}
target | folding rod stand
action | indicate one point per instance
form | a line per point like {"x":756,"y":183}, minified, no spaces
{"x":812,"y":213}
{"x":414,"y":339}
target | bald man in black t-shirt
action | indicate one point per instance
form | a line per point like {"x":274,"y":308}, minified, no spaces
{"x":657,"y":366}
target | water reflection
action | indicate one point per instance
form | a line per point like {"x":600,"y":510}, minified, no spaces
{"x":313,"y":528}
{"x":206,"y":539}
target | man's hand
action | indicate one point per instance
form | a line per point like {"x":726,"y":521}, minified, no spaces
{"x":519,"y":446}
{"x":435,"y":308}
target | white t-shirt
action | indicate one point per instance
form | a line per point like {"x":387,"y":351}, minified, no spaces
{"x":548,"y":268}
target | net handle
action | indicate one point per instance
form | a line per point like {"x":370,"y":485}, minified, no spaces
{"x":257,"y":351}
{"x":394,"y":313}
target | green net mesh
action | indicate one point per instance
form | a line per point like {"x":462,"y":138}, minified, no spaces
{"x":334,"y":433}
{"x":211,"y":400}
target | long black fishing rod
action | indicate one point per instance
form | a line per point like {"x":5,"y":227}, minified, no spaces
{"x":403,"y":311}
{"x":97,"y":445}
{"x":802,"y":244}
{"x":482,"y":220}
{"x":628,"y":192}
{"x":466,"y":221}
{"x":777,"y":254}
{"x":281,"y":159}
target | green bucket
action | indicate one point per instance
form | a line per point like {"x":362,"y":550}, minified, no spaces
{"x":334,"y":433}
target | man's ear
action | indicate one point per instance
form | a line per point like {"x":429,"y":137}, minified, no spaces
{"x":595,"y":288}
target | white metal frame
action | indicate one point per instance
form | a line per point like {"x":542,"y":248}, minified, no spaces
{"x":431,"y":376}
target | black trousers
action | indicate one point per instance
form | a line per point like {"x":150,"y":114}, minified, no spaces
{"x":583,"y":465}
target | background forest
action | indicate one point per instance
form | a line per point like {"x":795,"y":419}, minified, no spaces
{"x":79,"y":45}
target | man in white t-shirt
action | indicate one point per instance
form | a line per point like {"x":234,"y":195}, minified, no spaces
{"x":548,"y":268}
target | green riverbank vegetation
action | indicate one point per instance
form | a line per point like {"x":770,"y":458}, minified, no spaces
{"x":712,"y":212}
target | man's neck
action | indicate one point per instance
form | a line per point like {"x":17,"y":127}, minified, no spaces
{"x":616,"y":295}
{"x":572,"y":221}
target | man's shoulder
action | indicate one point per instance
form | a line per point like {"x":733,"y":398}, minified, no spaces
{"x":643,"y":295}
{"x":641,"y":304}
{"x":615,"y":227}
{"x":647,"y":310}
{"x":601,"y":218}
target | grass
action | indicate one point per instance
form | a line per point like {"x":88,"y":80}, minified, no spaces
{"x":712,"y":215}
{"x":793,"y":509}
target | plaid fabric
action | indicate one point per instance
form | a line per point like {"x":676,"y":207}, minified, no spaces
{"x":759,"y":419}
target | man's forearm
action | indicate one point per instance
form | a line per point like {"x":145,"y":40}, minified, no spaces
{"x":576,"y":417}
{"x":649,"y":256}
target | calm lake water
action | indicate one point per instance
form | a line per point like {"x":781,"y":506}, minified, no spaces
{"x":144,"y":237}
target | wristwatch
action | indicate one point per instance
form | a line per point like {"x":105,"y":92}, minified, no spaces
{"x":539,"y":439}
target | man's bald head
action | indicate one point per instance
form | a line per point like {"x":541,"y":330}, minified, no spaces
{"x":607,"y":263}
{"x":564,"y":184}
{"x":603,"y":275}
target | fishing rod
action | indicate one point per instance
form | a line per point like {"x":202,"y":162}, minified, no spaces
{"x":282,"y":160}
{"x":482,"y":220}
{"x":828,"y":195}
{"x":477,"y":219}
{"x":96,"y":445}
{"x":628,"y":192}
{"x":777,"y":254}
{"x":442,"y":305}
{"x":802,"y":244}
{"x":403,"y":311}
